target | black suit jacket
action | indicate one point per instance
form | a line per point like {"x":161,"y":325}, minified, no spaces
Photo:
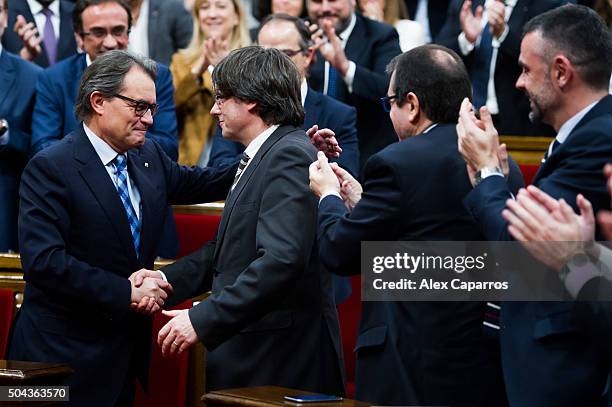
{"x":420,"y":353}
{"x":371,"y":46}
{"x":77,"y":253}
{"x":513,"y":117}
{"x":271,"y":319}
{"x":170,"y":28}
{"x":436,"y":13}
{"x":66,"y":45}
{"x":555,"y":336}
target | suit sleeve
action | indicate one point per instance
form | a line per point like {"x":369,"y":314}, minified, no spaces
{"x":44,"y":225}
{"x":346,"y":134}
{"x":224,"y":152}
{"x":449,"y":33}
{"x":284,"y":238}
{"x":48,"y":116}
{"x":164,"y":130}
{"x":375,"y":217}
{"x":371,"y":83}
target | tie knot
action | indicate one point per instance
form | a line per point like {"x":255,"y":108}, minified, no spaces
{"x":120,"y":162}
{"x":47,"y":12}
{"x":244,"y":160}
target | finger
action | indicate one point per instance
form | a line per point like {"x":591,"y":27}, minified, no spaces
{"x":150,"y":305}
{"x":312,"y":131}
{"x":513,"y":219}
{"x":516,"y":233}
{"x":567,"y":212}
{"x":184,"y":346}
{"x":171,"y":314}
{"x":322,"y":159}
{"x":608,"y":170}
{"x":487,"y":119}
{"x":543,"y":198}
{"x":586,"y":209}
{"x":479,"y":12}
{"x":163,"y":333}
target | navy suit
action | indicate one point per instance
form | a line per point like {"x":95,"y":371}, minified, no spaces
{"x":513,"y":117}
{"x":371,"y":46}
{"x":567,"y":364}
{"x":77,"y":253}
{"x":17,"y":79}
{"x":321,"y":110}
{"x":66,"y":44}
{"x":436,"y":13}
{"x":56,"y":93}
{"x":420,"y":353}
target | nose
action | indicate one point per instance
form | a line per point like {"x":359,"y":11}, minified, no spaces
{"x":147,"y":118}
{"x":325,"y":5}
{"x":520,"y":83}
{"x":110,"y":42}
{"x":215,"y":110}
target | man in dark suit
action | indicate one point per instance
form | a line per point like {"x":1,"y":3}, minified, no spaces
{"x":30,"y":40}
{"x":420,"y":353}
{"x":100,"y":26}
{"x":489,"y":38}
{"x":165,"y":28}
{"x":430,"y":13}
{"x":92,"y":208}
{"x":290,"y":35}
{"x":271,"y":318}
{"x":567,"y":365}
{"x":350,"y":67}
{"x":17,"y":79}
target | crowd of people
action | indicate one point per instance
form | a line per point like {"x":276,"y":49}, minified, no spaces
{"x":111,"y":111}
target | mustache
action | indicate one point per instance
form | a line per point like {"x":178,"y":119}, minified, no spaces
{"x":326,"y":14}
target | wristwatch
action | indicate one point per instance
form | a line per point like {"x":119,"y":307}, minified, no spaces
{"x":3,"y":126}
{"x":486,"y":172}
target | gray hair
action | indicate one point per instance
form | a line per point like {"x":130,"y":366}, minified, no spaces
{"x":106,"y":75}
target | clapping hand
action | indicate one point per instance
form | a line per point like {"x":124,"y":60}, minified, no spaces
{"x":471,"y":23}
{"x":324,"y":140}
{"x":30,"y":38}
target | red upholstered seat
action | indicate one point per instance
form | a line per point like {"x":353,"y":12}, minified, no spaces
{"x":7,"y":304}
{"x":529,"y":171}
{"x":348,"y":313}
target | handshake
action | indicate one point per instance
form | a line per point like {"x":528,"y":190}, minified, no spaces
{"x":149,"y":291}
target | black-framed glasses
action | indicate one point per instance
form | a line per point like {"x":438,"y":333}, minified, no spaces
{"x":291,"y":52}
{"x":386,"y":102}
{"x":140,"y":106}
{"x":119,"y":31}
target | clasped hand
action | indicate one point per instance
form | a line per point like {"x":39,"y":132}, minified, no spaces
{"x":149,"y":291}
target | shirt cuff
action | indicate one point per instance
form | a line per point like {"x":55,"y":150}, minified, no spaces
{"x":464,"y":45}
{"x":328,"y":194}
{"x":163,"y":276}
{"x":350,"y":76}
{"x":496,"y":42}
{"x":578,"y":276}
{"x":4,"y":139}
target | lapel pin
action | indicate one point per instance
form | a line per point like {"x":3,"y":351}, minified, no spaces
{"x":146,"y":165}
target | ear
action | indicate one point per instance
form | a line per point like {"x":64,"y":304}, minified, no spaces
{"x":79,"y":40}
{"x":562,"y":71}
{"x":96,"y":101}
{"x":412,"y":108}
{"x":251,"y":106}
{"x":309,"y":58}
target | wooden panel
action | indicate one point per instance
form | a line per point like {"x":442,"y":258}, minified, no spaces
{"x":526,"y":150}
{"x":266,"y":396}
{"x":215,"y":208}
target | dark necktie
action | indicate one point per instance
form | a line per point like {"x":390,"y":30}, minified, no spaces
{"x":49,"y":36}
{"x":120,"y":164}
{"x":491,"y":322}
{"x":551,"y":149}
{"x":332,"y":79}
{"x":244,"y":160}
{"x":482,"y":67}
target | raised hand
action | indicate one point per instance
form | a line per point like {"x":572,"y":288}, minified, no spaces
{"x":324,"y":140}
{"x":323,"y":180}
{"x":471,"y":23}
{"x":29,"y":36}
{"x":332,"y":51}
{"x":350,"y":188}
{"x":496,"y":13}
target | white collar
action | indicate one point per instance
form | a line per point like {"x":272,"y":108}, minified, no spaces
{"x":304,"y":90}
{"x":36,"y":7}
{"x":344,"y":35}
{"x":104,"y":151}
{"x":87,"y":59}
{"x":568,"y":126}
{"x":258,"y":141}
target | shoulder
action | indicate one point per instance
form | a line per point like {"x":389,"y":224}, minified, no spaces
{"x":435,"y":145}
{"x":73,"y":65}
{"x":333,"y":105}
{"x":22,"y":66}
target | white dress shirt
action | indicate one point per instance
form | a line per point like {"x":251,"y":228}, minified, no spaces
{"x":254,"y":147}
{"x":466,"y":47}
{"x":422,"y":16}
{"x":39,"y":18}
{"x":107,"y":155}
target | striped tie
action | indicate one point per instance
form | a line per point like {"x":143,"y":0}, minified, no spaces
{"x":120,"y":165}
{"x":243,"y":163}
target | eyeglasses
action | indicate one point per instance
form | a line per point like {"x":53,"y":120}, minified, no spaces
{"x":291,"y":52}
{"x":386,"y":102}
{"x":101,"y":33}
{"x":140,"y":106}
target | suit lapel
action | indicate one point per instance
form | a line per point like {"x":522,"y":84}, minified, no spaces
{"x":244,"y":180}
{"x":103,"y":189}
{"x":7,"y":76}
{"x":141,"y":177}
{"x":312,"y":107}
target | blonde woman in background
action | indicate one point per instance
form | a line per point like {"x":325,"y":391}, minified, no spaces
{"x":394,"y":12}
{"x":219,"y":27}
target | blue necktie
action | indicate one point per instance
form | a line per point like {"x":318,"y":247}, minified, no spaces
{"x":482,"y":67}
{"x":120,"y":164}
{"x":332,"y":78}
